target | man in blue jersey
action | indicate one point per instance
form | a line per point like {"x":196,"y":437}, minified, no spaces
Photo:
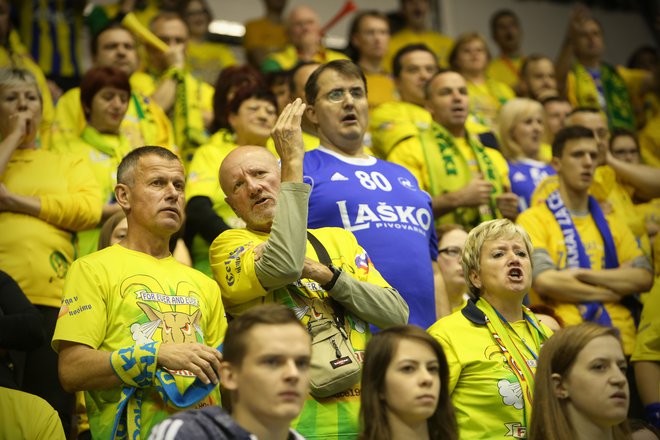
{"x":380,"y":202}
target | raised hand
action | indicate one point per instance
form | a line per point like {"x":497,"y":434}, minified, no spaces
{"x":287,"y":136}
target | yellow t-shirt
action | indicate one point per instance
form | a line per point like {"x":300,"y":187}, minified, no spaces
{"x":505,"y":70}
{"x":647,"y":345}
{"x":264,"y":34}
{"x":392,"y":122}
{"x":232,"y":261}
{"x":145,"y":123}
{"x":206,"y":59}
{"x":380,"y":88}
{"x":486,"y":100}
{"x":484,"y":390}
{"x":203,"y":181}
{"x":117,"y":298}
{"x":287,"y":58}
{"x":546,"y":233}
{"x":649,"y":142}
{"x":440,"y":45}
{"x":37,"y":251}
{"x":26,"y":416}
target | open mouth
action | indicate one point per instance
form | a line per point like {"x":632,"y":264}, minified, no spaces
{"x":515,"y":274}
{"x":350,"y":118}
{"x":261,"y":201}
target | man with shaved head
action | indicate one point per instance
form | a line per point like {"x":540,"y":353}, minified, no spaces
{"x":303,"y":27}
{"x":275,"y":259}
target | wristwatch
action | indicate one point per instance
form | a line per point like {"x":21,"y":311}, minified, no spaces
{"x":335,"y":274}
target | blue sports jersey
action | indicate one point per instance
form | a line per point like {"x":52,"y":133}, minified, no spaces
{"x":525,"y":175}
{"x":391,"y":217}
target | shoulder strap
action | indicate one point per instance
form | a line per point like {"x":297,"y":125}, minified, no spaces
{"x":322,"y":253}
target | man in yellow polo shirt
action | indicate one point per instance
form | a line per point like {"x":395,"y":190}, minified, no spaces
{"x":468,"y":183}
{"x":585,"y":261}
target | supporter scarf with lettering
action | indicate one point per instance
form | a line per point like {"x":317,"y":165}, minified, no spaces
{"x":576,"y":255}
{"x":523,"y":366}
{"x":619,"y":109}
{"x":137,"y":368}
{"x":116,"y":146}
{"x":449,"y":171}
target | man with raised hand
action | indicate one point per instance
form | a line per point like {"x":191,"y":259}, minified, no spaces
{"x":138,"y":331}
{"x":272,"y":260}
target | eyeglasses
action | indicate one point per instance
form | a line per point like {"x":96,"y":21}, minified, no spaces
{"x":337,"y":95}
{"x":451,"y":251}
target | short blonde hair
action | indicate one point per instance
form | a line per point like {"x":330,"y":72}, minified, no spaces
{"x":512,"y":113}
{"x":12,"y":76}
{"x":489,"y":231}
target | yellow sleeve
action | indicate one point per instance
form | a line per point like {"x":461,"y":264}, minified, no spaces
{"x":78,"y":209}
{"x":535,"y":227}
{"x":232,"y":260}
{"x":410,"y":155}
{"x":626,"y":245}
{"x":634,"y":79}
{"x":83,"y":315}
{"x":438,"y":332}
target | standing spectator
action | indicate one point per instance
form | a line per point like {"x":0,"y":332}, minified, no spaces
{"x":369,"y":38}
{"x":451,"y":242}
{"x":45,"y":198}
{"x":556,"y":109}
{"x":416,"y":31}
{"x":205,"y":58}
{"x":265,"y":35}
{"x":537,"y":78}
{"x":303,"y":28}
{"x":507,"y":33}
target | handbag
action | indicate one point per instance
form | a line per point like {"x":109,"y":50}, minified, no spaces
{"x":334,"y":365}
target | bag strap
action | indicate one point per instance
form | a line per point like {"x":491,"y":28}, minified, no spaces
{"x":324,"y":258}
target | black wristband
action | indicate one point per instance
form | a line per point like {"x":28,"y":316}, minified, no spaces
{"x":335,"y":275}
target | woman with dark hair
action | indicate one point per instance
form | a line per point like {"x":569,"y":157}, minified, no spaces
{"x":104,"y":94}
{"x":404,"y":388}
{"x":581,"y":386}
{"x":231,"y":79}
{"x":250,"y":115}
{"x":493,"y":343}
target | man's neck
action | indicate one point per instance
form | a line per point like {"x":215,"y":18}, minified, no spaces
{"x":371,"y":65}
{"x":354,"y":150}
{"x":274,"y":17}
{"x":150,"y":244}
{"x":260,"y":428}
{"x":307,"y":52}
{"x":576,"y":201}
{"x":511,"y":54}
{"x":457,"y":132}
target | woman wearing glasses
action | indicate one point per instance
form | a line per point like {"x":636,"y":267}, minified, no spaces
{"x":492,"y":344}
{"x":451,"y":241}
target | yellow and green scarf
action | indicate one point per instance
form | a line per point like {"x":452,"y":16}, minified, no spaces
{"x":449,"y":171}
{"x":619,"y":108}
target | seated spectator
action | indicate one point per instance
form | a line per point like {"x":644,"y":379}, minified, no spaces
{"x":417,"y":30}
{"x":266,"y":369}
{"x":303,"y":28}
{"x":265,"y":35}
{"x":507,"y":33}
{"x":271,"y":261}
{"x":45,"y":198}
{"x":26,"y":416}
{"x":16,"y":312}
{"x":251,"y":115}
{"x":405,"y":393}
{"x":581,"y":386}
{"x":470,"y":57}
{"x":104,"y":97}
{"x":297,"y":80}
{"x":205,"y":58}
{"x":138,"y":331}
{"x":537,"y":78}
{"x":585,"y":262}
{"x":492,"y":344}
{"x":556,"y":109}
{"x":521,"y":143}
{"x":369,"y":37}
{"x":451,"y":242}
